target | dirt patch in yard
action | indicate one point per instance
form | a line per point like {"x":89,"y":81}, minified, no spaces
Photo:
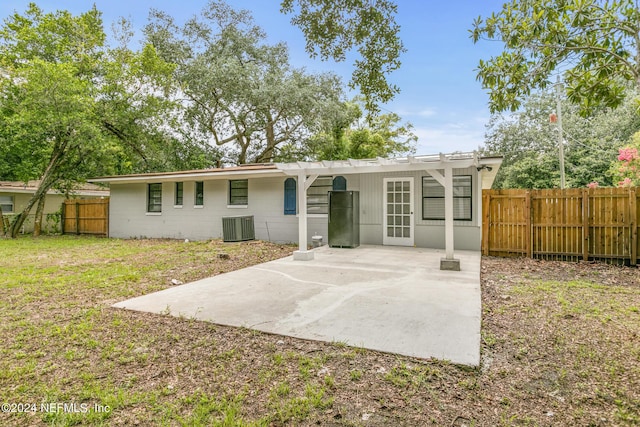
{"x":560,"y":347}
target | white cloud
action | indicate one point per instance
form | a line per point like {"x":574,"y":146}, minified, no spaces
{"x":449,"y":137}
{"x":426,"y":112}
{"x":429,"y":112}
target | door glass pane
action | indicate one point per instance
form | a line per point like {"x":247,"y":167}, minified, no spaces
{"x":405,"y":198}
{"x":390,"y":198}
{"x":398,"y":220}
{"x":390,"y":209}
{"x":398,"y":231}
{"x":389,"y":219}
{"x":398,"y":186}
{"x":405,"y":185}
{"x":405,"y":231}
{"x":406,"y":220}
{"x":405,"y":209}
{"x":389,"y":231}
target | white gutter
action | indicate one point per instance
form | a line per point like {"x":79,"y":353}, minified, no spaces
{"x":189,"y":176}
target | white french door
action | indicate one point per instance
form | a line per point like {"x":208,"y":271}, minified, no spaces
{"x":398,"y":211}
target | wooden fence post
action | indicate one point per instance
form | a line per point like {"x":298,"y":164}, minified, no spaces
{"x":633,"y":213}
{"x":63,"y":217}
{"x":585,"y":224}
{"x":486,"y":201}
{"x":77,"y":218}
{"x":528,"y":227}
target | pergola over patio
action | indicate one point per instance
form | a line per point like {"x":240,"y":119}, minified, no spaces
{"x":439,"y":166}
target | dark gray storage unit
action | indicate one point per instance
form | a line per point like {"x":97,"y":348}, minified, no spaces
{"x":344,"y":219}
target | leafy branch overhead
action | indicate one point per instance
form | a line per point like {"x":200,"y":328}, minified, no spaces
{"x":594,"y":44}
{"x":333,"y":28}
{"x":239,"y":93}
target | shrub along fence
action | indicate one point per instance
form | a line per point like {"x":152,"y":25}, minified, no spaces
{"x":571,"y":224}
{"x":86,"y":216}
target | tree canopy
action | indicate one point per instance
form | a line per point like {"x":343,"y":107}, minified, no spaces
{"x":71,"y":107}
{"x":195,"y":95}
{"x":529,"y":144}
{"x":594,"y":44}
{"x":332,"y":28}
{"x":349,"y":135}
{"x":239,"y":92}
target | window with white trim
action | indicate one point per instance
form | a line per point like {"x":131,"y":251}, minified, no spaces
{"x":318,"y":193}
{"x":433,"y":198}
{"x":199,"y":194}
{"x":6,"y":203}
{"x":239,"y":192}
{"x":154,"y":197}
{"x":179,"y":194}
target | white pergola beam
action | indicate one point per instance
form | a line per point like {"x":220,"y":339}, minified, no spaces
{"x":308,"y":181}
{"x":435,"y":174}
{"x":346,"y":169}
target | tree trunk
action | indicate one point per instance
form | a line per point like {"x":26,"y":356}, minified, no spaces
{"x":22,"y":216}
{"x":4,"y":226}
{"x":244,"y":145}
{"x":46,"y":183}
{"x":37,"y":223}
{"x":267,"y":154}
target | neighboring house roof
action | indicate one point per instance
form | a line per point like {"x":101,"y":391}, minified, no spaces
{"x":489,"y":166}
{"x":86,"y":189}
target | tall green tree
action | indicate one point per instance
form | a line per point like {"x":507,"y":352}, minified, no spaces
{"x":594,"y":44}
{"x":529,"y":142}
{"x":349,"y":136}
{"x":47,"y":95}
{"x":333,"y":28}
{"x":138,"y":107}
{"x":70,"y":107}
{"x":239,"y":92}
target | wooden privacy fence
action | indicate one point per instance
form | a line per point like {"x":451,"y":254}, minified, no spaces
{"x":86,"y":216}
{"x":571,"y":224}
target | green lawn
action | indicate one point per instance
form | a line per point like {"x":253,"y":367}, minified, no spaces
{"x":560,"y":346}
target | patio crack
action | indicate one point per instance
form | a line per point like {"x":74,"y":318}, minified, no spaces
{"x":290,"y":277}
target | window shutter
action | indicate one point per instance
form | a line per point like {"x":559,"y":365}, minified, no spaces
{"x":290,"y":196}
{"x":339,"y":183}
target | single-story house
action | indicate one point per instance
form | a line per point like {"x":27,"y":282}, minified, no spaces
{"x":14,"y":195}
{"x":424,"y":201}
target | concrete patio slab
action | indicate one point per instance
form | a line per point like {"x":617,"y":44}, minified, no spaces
{"x":392,"y":299}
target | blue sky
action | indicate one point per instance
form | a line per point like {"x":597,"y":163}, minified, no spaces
{"x":439,"y":92}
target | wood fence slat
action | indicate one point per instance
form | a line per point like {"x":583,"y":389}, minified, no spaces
{"x":86,"y":216}
{"x":569,"y":224}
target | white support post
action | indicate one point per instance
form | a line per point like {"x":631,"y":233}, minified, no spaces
{"x":448,"y":262}
{"x":479,"y":199}
{"x":303,"y":254}
{"x":448,"y":212}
